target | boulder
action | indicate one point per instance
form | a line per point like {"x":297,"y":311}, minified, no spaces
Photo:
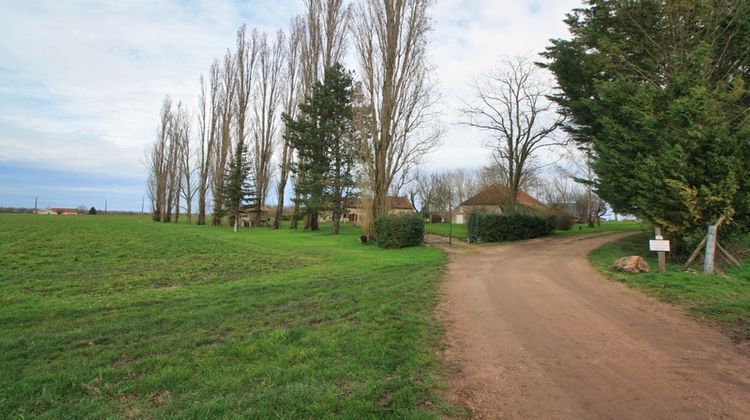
{"x":633,"y":264}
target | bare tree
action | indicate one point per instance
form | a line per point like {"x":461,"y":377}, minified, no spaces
{"x":157,"y":164}
{"x":245,"y":63}
{"x":179,"y":135}
{"x":291,"y":99}
{"x":226,"y":114}
{"x":208,"y":121}
{"x":268,"y":99}
{"x":590,"y":207}
{"x":187,"y":168}
{"x":559,"y":188}
{"x":511,"y":104}
{"x":391,"y":46}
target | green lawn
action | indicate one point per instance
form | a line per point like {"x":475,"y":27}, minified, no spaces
{"x":460,"y":231}
{"x":723,"y":298}
{"x":608,"y":226}
{"x":106,"y":316}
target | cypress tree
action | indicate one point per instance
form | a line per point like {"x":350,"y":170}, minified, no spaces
{"x":658,"y":91}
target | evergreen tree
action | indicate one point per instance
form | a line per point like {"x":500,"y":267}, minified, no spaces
{"x":238,"y":193}
{"x":324,"y":138}
{"x":658,"y":91}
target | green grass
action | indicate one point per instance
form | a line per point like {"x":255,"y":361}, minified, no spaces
{"x":444,"y":229}
{"x":723,"y":298}
{"x":105,"y":316}
{"x":608,"y":226}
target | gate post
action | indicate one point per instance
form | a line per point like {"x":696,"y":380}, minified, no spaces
{"x":450,"y":227}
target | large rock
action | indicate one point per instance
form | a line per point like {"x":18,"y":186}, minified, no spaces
{"x":634,"y":264}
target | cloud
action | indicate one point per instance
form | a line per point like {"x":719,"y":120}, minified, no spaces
{"x":81,"y":82}
{"x":469,"y":38}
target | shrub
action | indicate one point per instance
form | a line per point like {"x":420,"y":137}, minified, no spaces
{"x":92,"y":210}
{"x":512,"y":227}
{"x":399,"y":231}
{"x":562,"y":219}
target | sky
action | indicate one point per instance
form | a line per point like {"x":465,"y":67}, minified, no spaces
{"x":81,"y":82}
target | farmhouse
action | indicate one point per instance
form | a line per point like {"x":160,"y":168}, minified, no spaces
{"x":248,"y":216}
{"x":356,"y":210}
{"x":491,"y":200}
{"x":63,"y":211}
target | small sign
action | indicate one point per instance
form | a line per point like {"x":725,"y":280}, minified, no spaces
{"x":658,"y":245}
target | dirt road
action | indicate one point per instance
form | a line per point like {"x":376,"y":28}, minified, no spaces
{"x":535,"y":332}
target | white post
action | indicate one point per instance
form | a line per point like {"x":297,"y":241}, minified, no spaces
{"x":708,"y":265}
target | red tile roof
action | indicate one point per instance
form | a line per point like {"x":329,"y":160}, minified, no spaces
{"x":496,"y":194}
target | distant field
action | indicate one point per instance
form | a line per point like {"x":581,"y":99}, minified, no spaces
{"x":723,"y":298}
{"x":106,"y":316}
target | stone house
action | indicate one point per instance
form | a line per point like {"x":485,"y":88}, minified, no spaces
{"x":491,"y":200}
{"x":356,"y":210}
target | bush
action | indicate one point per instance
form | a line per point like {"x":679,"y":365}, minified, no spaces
{"x":512,"y":227}
{"x":92,"y":210}
{"x":562,"y":219}
{"x":399,"y":231}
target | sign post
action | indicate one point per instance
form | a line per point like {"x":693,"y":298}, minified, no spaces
{"x":661,"y":247}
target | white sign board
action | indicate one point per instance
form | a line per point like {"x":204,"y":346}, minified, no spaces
{"x":658,"y":245}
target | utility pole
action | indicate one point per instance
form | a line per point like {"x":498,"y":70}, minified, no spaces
{"x":36,"y":201}
{"x":105,"y":206}
{"x":143,"y":203}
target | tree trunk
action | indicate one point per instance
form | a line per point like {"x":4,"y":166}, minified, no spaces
{"x":202,"y":205}
{"x":336,"y":223}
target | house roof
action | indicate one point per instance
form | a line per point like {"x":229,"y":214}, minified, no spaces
{"x":263,"y":209}
{"x":496,"y":194}
{"x":399,"y":203}
{"x":393,"y":202}
{"x":61,"y":210}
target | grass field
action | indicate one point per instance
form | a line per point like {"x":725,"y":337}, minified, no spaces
{"x":104,"y":316}
{"x":723,"y":298}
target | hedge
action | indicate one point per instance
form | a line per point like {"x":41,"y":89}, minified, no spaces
{"x":512,"y":227}
{"x":399,"y":231}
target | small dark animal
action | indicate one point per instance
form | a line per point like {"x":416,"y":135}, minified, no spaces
{"x":363,"y":239}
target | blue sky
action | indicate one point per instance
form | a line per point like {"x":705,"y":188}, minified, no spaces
{"x":81,"y":82}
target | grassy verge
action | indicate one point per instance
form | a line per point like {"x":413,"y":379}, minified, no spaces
{"x":608,"y":226}
{"x":723,"y":298}
{"x":122,"y":317}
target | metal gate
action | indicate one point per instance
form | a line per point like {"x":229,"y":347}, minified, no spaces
{"x":437,"y":233}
